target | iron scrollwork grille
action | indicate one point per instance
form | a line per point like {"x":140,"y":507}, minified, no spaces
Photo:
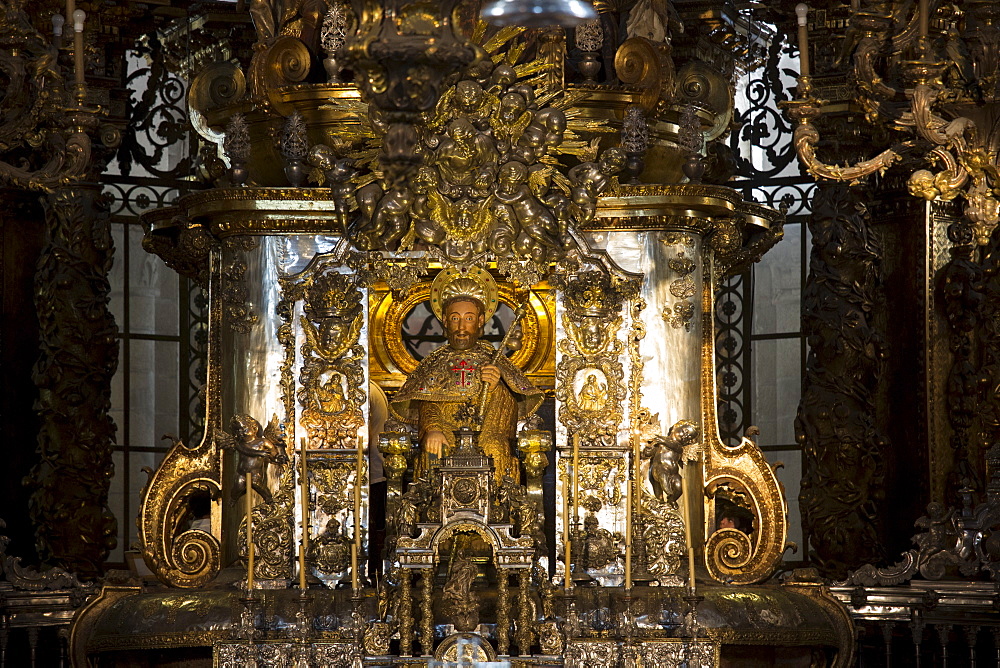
{"x":767,"y":172}
{"x":162,"y":317}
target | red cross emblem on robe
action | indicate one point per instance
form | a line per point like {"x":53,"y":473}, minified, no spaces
{"x":463,"y":373}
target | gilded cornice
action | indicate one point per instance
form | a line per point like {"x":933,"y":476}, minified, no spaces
{"x":257,"y":211}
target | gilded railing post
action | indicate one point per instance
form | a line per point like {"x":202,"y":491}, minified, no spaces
{"x":503,"y":611}
{"x":405,"y":613}
{"x":426,"y":611}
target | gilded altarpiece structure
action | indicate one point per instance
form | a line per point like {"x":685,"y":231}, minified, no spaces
{"x":462,"y":171}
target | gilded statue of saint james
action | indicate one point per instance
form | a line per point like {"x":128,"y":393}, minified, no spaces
{"x":452,"y":377}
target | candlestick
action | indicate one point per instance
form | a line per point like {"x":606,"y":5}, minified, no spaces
{"x":628,"y":534}
{"x":802,"y":12}
{"x":354,"y":566}
{"x":688,"y":536}
{"x":566,"y":534}
{"x":633,"y":493}
{"x":304,"y":489}
{"x":576,"y":478}
{"x":248,"y":503}
{"x":691,"y":586}
{"x":356,"y":547}
{"x":924,"y":16}
{"x":79,"y":16}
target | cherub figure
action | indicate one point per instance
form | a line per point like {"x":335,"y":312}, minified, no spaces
{"x":429,"y":208}
{"x":256,"y":449}
{"x":467,"y":98}
{"x":667,"y":453}
{"x":389,"y":221}
{"x":590,"y":179}
{"x":535,"y":220}
{"x":665,"y":468}
{"x":337,"y":173}
{"x":512,"y":118}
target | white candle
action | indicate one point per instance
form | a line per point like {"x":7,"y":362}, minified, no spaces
{"x":801,"y":13}
{"x":304,"y":488}
{"x":688,"y":529}
{"x":79,"y":16}
{"x":356,"y":547}
{"x":576,"y":477}
{"x":566,"y":534}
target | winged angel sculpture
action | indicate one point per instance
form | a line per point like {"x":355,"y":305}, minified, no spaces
{"x":256,"y":448}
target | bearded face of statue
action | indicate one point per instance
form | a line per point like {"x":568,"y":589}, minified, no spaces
{"x":463,"y":324}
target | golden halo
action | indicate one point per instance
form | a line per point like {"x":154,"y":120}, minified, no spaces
{"x":468,"y":281}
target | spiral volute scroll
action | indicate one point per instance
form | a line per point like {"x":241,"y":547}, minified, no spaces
{"x":730,"y":555}
{"x":178,"y":557}
{"x":702,"y":85}
{"x":730,"y":552}
{"x":288,"y":61}
{"x":216,"y":87}
{"x":284,"y":63}
{"x":195,"y":558}
{"x":647,"y":66}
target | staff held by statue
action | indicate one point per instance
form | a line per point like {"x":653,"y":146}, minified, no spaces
{"x":484,"y":391}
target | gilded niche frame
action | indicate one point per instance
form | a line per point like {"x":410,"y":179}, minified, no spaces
{"x":390,"y":362}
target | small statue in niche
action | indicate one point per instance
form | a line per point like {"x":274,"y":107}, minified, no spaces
{"x":256,"y":449}
{"x":410,"y":506}
{"x":458,"y":595}
{"x":330,"y":395}
{"x":592,"y":394}
{"x":523,"y":512}
{"x":600,"y":546}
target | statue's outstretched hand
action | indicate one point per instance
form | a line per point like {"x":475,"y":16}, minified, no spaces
{"x":490,"y":375}
{"x":434,"y":442}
